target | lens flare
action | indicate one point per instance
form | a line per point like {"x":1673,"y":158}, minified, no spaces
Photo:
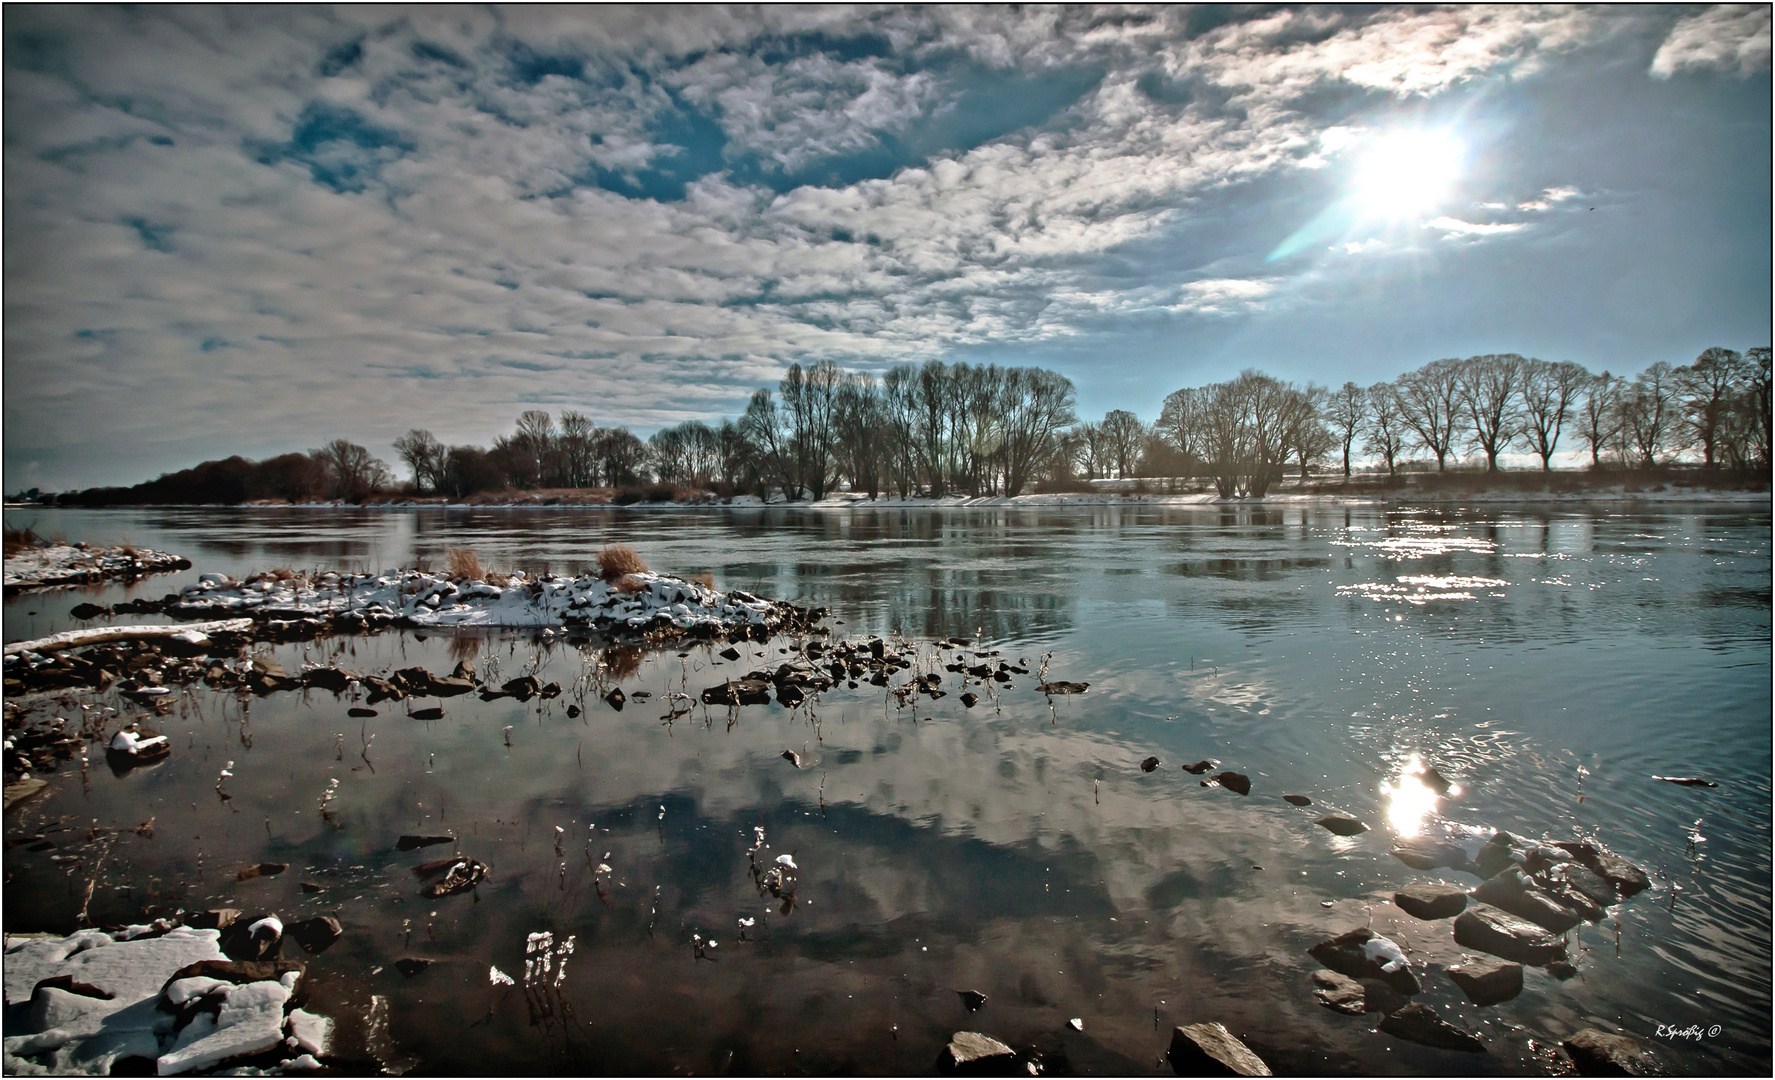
{"x":1403,"y":173}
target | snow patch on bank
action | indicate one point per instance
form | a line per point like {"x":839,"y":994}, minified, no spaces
{"x":78,"y":564}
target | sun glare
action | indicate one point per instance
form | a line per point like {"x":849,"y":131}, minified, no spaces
{"x":1409,"y":799}
{"x":1406,"y":172}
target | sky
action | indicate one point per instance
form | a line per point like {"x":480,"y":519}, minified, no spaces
{"x":233,"y":230}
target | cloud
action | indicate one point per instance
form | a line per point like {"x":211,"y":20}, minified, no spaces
{"x":1548,"y":199}
{"x":1733,"y":38}
{"x":1456,"y":227}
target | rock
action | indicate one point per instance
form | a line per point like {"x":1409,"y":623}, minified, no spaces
{"x":792,"y":758}
{"x":1600,"y":1053}
{"x":213,"y":919}
{"x":1232,"y":781}
{"x":971,"y":1000}
{"x":239,"y":971}
{"x":790,"y":695}
{"x":1292,"y":800}
{"x":1500,"y":933}
{"x":615,"y":698}
{"x":730,"y":653}
{"x":738,"y":692}
{"x":1626,"y":878}
{"x":1065,"y":687}
{"x":459,"y":875}
{"x":411,"y":965}
{"x":1561,"y":970}
{"x":250,"y":1021}
{"x":328,"y":679}
{"x":433,"y":713}
{"x":317,"y":934}
{"x":88,"y":611}
{"x":1686,"y":781}
{"x":1424,"y":853}
{"x":1212,"y":1050}
{"x":1340,"y":992}
{"x":1149,"y":764}
{"x":1511,"y":891}
{"x":20,"y":790}
{"x":313,"y":887}
{"x":970,"y":1052}
{"x":264,"y":869}
{"x":1419,"y":1023}
{"x":572,"y":711}
{"x":1341,"y":825}
{"x":1435,"y":781}
{"x":1363,"y":954}
{"x":523,"y":688}
{"x":970,"y":699}
{"x":360,"y":712}
{"x":1486,"y":981}
{"x":1198,"y":768}
{"x":1426,"y":900}
{"x":409,"y":842}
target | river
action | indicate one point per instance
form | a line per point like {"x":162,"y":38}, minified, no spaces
{"x":1550,"y":662}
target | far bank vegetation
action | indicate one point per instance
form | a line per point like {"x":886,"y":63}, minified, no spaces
{"x":939,"y":429}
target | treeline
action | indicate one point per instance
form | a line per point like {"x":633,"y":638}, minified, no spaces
{"x":938,"y":429}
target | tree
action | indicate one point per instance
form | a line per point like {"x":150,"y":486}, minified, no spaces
{"x":1386,"y":425}
{"x":621,"y":455}
{"x":1488,"y":388}
{"x":1429,"y":400}
{"x":1039,"y":404}
{"x":1091,"y":450}
{"x":770,"y":440}
{"x":579,"y":463}
{"x":531,"y":444}
{"x":862,"y":440}
{"x":1599,"y":416}
{"x":352,"y":471}
{"x":1549,"y":398}
{"x":1247,"y":434}
{"x":1706,"y":391}
{"x":423,"y":454}
{"x":1648,"y":412}
{"x":1757,"y":360}
{"x":1122,"y":434}
{"x":1183,"y":423}
{"x":1346,"y":410}
{"x":1303,"y":430}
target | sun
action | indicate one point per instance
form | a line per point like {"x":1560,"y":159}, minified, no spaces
{"x":1401,"y":173}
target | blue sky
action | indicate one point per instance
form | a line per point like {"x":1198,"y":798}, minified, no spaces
{"x":252,"y":230}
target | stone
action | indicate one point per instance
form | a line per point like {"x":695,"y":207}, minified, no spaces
{"x":1341,"y":825}
{"x":972,"y":1053}
{"x":433,"y":713}
{"x":1296,"y":800}
{"x":1232,"y":781}
{"x":970,"y":699}
{"x":523,"y":688}
{"x":1149,"y":764}
{"x":1425,"y":853}
{"x":1212,"y":1050}
{"x":360,"y":712}
{"x":971,"y":1000}
{"x":1065,"y":687}
{"x":615,"y":698}
{"x":20,"y":790}
{"x":790,"y":695}
{"x":1500,"y":933}
{"x":1626,"y":878}
{"x":1199,"y":767}
{"x":1601,"y":1053}
{"x":251,"y":1021}
{"x":316,"y":934}
{"x":1435,"y":781}
{"x":1340,"y":992}
{"x":411,"y":841}
{"x":411,"y":965}
{"x":328,"y":678}
{"x":1429,"y":900}
{"x":213,"y":919}
{"x":738,"y":692}
{"x":1419,"y":1023}
{"x":1487,"y":981}
{"x":1511,"y":891}
{"x":1351,"y":954}
{"x":730,"y":653}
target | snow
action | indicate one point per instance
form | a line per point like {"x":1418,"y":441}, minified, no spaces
{"x":1385,"y":952}
{"x":73,"y":564}
{"x":251,"y":1021}
{"x":269,"y":922}
{"x":131,"y":743}
{"x":419,"y":598}
{"x":313,"y":1033}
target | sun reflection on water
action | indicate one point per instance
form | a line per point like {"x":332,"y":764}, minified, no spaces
{"x":1409,"y":799}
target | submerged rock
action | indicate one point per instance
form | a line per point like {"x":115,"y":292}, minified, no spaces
{"x":1427,"y":900}
{"x":971,"y":1053}
{"x":1511,"y":890}
{"x":1149,"y":764}
{"x":1626,"y":878}
{"x":1212,"y":1050}
{"x":738,"y":692}
{"x":971,"y":1000}
{"x":1232,"y":781}
{"x":1487,"y":981}
{"x":1198,"y":768}
{"x":1419,"y":1023}
{"x":1340,"y":992}
{"x":1341,"y":825}
{"x":1500,"y":933}
{"x":1426,"y":853}
{"x":1292,"y":800}
{"x":970,"y":699}
{"x":1363,"y":954}
{"x":1601,"y":1053}
{"x":410,"y":841}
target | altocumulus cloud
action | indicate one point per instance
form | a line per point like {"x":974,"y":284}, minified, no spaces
{"x":254,"y":229}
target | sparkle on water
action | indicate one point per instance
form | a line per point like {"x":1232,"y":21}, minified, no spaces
{"x":1410,"y":801}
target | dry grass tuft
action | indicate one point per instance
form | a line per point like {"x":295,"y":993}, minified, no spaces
{"x":462,"y":564}
{"x":628,"y":584}
{"x":705,"y":579}
{"x":618,"y":561}
{"x":24,"y":539}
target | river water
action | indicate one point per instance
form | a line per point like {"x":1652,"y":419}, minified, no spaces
{"x":1550,"y":662}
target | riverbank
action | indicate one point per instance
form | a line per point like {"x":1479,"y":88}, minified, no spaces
{"x":48,"y":565}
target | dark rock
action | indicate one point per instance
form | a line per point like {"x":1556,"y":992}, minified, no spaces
{"x":360,"y":712}
{"x":450,"y":687}
{"x":1292,"y":800}
{"x":433,"y":713}
{"x":1577,"y":877}
{"x":1419,"y":1023}
{"x":72,"y":986}
{"x":1065,"y":687}
{"x":1340,"y":992}
{"x":1686,"y":781}
{"x":328,"y":679}
{"x":1435,"y":781}
{"x":1345,"y":955}
{"x":411,"y":965}
{"x":316,"y":934}
{"x":88,"y":611}
{"x":970,"y":699}
{"x":1149,"y":764}
{"x":1500,"y":933}
{"x":1425,"y":853}
{"x":1232,"y":781}
{"x":1600,"y":1053}
{"x":213,"y":919}
{"x":1626,"y":878}
{"x":460,"y":875}
{"x":238,"y":972}
{"x":411,"y":841}
{"x":1341,"y":825}
{"x":464,"y":670}
{"x":1494,"y":855}
{"x":572,"y":711}
{"x":1199,"y":767}
{"x":1426,"y":900}
{"x":792,"y":758}
{"x":1511,"y":891}
{"x":264,"y":869}
{"x":1212,"y":1050}
{"x":730,"y":653}
{"x":971,"y":1000}
{"x":1486,"y":981}
{"x":549,"y":690}
{"x":970,"y":1053}
{"x":311,"y":887}
{"x":738,"y":692}
{"x":1561,"y":970}
{"x":523,"y":688}
{"x":790,"y":695}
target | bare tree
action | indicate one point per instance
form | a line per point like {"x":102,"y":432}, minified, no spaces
{"x":1599,"y":415}
{"x":1758,"y":361}
{"x":857,"y":424}
{"x":1386,"y":428}
{"x":1123,"y":434}
{"x":1705,"y":392}
{"x":1489,"y":386}
{"x":532,"y":442}
{"x":768,"y":434}
{"x":353,"y":472}
{"x":621,"y":456}
{"x":1247,"y":434}
{"x":579,"y":462}
{"x":1039,"y":404}
{"x":1429,"y":400}
{"x":423,"y":454}
{"x":1346,"y":410}
{"x":1183,"y":424}
{"x":1549,"y":398}
{"x":1304,"y":429}
{"x":1648,"y":414}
